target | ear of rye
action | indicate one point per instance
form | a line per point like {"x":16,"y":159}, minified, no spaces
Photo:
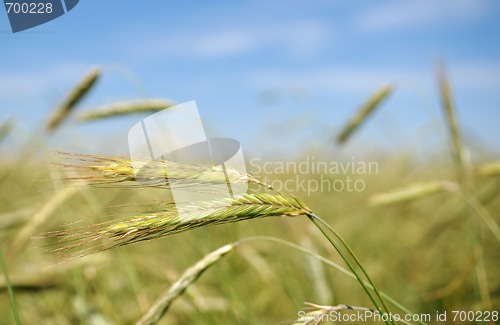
{"x":409,"y":193}
{"x":6,"y":128}
{"x":364,"y":112}
{"x":79,"y":91}
{"x":126,"y":108}
{"x":114,"y":171}
{"x":168,"y":221}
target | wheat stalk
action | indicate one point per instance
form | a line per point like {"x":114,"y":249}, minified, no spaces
{"x":465,"y":181}
{"x":125,"y":108}
{"x":79,"y":91}
{"x":160,"y":307}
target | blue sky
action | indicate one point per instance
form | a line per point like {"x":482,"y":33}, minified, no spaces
{"x":276,"y":75}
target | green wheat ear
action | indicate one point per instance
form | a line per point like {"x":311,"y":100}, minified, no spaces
{"x":6,"y":128}
{"x":126,"y":108}
{"x":364,"y":112}
{"x":412,"y":192}
{"x":79,"y":91}
{"x":116,"y":171}
{"x":488,"y":170}
{"x":170,"y":219}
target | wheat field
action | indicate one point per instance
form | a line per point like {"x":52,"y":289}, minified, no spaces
{"x":83,"y":243}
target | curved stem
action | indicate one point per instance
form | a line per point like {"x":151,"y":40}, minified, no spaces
{"x":329,"y":263}
{"x":314,"y":218}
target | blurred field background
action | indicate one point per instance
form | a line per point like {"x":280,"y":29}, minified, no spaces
{"x":418,"y":248}
{"x":285,"y":96}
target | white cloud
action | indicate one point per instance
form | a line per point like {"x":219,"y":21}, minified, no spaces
{"x":471,"y":75}
{"x":331,"y":78}
{"x":477,"y":75}
{"x":222,"y":44}
{"x":420,"y":13}
{"x":34,"y":82}
{"x":297,"y":39}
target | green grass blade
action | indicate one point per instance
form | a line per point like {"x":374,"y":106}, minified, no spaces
{"x":9,"y":289}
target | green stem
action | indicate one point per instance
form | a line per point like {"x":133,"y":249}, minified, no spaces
{"x":315,"y":219}
{"x":466,"y":184}
{"x":9,"y":289}
{"x":331,"y":264}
